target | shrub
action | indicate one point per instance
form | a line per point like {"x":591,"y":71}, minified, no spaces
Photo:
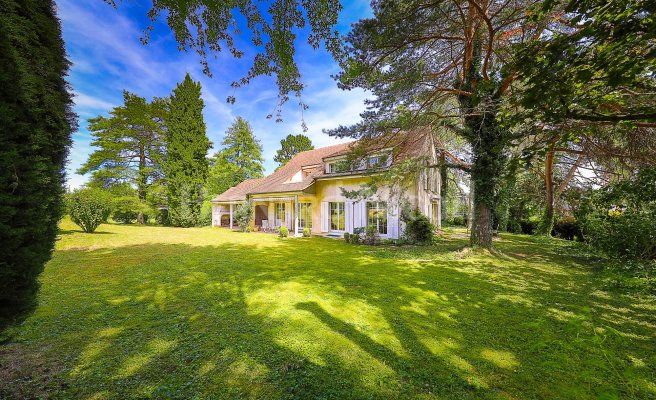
{"x":36,"y":121}
{"x":283,"y":232}
{"x":205,"y":218}
{"x":530,"y":225}
{"x":347,"y":237}
{"x":418,"y":229}
{"x":88,"y":208}
{"x":243,"y":214}
{"x":307,"y":232}
{"x":371,"y":235}
{"x":567,"y":228}
{"x":126,"y":209}
{"x":620,"y":220}
{"x":459,"y":220}
{"x":162,"y":217}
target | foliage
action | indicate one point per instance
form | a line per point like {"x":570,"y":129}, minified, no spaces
{"x":239,"y":159}
{"x":290,"y":146}
{"x":595,"y":65}
{"x":567,"y":228}
{"x":130,"y":145}
{"x":418,"y":229}
{"x":307,"y":232}
{"x":620,"y":220}
{"x":274,"y":303}
{"x":371,"y":236}
{"x":205,"y":214}
{"x":186,"y":150}
{"x":36,"y":121}
{"x":162,"y":217}
{"x":283,"y":231}
{"x":204,"y":24}
{"x":347,"y":237}
{"x":127,"y":209}
{"x":243,"y":215}
{"x":88,"y":208}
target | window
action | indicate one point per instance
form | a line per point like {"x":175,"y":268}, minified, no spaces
{"x":305,"y":215}
{"x":280,"y":213}
{"x":337,"y":220}
{"x":377,"y":216}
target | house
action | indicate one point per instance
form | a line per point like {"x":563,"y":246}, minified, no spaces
{"x":307,"y":191}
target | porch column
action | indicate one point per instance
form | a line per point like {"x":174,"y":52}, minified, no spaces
{"x":231,"y":215}
{"x":296,"y":215}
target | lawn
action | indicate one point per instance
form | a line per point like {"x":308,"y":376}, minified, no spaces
{"x":154,"y":312}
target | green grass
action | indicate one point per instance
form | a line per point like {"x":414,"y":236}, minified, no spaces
{"x":153,"y":312}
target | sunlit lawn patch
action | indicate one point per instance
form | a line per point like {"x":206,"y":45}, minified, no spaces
{"x":153,"y":312}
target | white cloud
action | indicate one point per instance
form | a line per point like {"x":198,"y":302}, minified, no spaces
{"x":85,"y":102}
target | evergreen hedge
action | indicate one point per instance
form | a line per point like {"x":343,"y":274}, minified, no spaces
{"x":36,"y":122}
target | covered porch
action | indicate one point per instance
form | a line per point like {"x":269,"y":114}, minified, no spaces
{"x":269,"y":214}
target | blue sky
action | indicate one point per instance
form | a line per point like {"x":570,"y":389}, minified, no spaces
{"x":107,"y":57}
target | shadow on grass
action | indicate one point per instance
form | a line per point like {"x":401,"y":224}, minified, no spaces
{"x":314,"y":318}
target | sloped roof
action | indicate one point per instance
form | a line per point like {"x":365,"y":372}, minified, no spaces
{"x":405,"y":145}
{"x":238,"y":192}
{"x":279,"y":180}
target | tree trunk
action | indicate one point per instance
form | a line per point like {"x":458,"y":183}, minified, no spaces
{"x":141,"y":183}
{"x":444,"y":186}
{"x":548,"y":219}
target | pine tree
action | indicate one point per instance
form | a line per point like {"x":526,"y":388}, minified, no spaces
{"x":187,"y":144}
{"x":243,"y":150}
{"x":291,"y":146}
{"x":36,"y":122}
{"x":130,"y":145}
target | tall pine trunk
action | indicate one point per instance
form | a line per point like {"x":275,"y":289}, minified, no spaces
{"x":546,"y":225}
{"x":444,"y":186}
{"x":142,"y":182}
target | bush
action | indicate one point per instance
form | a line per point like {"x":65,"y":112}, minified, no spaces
{"x":418,"y":229}
{"x":88,"y":208}
{"x":36,"y":121}
{"x":283,"y":232}
{"x":205,"y":218}
{"x":567,"y":228}
{"x":242,"y":215}
{"x":162,"y":217}
{"x":529,"y":226}
{"x":307,"y":232}
{"x":459,"y":220}
{"x":126,"y":209}
{"x":371,"y":236}
{"x":347,"y":237}
{"x":620,"y":220}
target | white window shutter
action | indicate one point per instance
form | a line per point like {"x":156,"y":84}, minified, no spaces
{"x":363,"y":213}
{"x":324,"y":216}
{"x":357,"y":219}
{"x":288,"y":215}
{"x":348,"y":216}
{"x":393,"y":222}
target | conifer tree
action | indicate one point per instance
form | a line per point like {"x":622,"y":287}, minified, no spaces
{"x":187,"y":144}
{"x":36,"y":122}
{"x":291,"y":146}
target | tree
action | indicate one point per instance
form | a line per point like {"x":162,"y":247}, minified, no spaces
{"x":239,"y":159}
{"x":130,"y":145}
{"x":89,"y":207}
{"x":205,"y":25}
{"x":291,"y":146}
{"x":222,"y":174}
{"x":443,"y":64}
{"x":36,"y":121}
{"x":186,"y":162}
{"x":243,"y":150}
{"x":596,"y":64}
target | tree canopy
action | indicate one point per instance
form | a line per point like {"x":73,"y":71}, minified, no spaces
{"x":290,"y":146}
{"x":130,"y":144}
{"x":243,"y":150}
